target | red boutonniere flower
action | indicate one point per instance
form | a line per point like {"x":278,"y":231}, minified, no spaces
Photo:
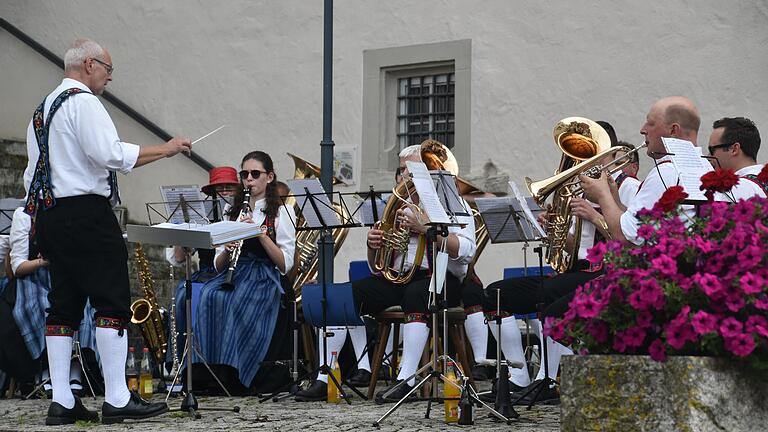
{"x":719,"y":180}
{"x":671,"y":198}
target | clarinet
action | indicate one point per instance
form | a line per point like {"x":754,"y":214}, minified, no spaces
{"x":235,"y":255}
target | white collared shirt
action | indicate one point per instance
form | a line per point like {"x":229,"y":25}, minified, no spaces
{"x":659,"y":178}
{"x":83,"y":145}
{"x":19,"y":238}
{"x":745,"y":188}
{"x":285,"y":232}
{"x":467,"y":246}
{"x":5,"y":246}
{"x":627,"y":189}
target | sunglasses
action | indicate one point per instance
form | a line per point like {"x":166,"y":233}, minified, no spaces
{"x":715,"y":147}
{"x":254,"y":173}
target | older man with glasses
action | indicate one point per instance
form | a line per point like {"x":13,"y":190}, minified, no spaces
{"x":735,"y":142}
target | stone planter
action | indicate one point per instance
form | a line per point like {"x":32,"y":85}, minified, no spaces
{"x":635,"y":393}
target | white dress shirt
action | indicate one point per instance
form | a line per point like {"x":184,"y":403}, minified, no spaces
{"x":659,"y":178}
{"x":285,"y":232}
{"x":456,"y":266}
{"x":627,"y":189}
{"x":5,"y":246}
{"x":83,"y":145}
{"x":19,"y":238}
{"x":745,"y":188}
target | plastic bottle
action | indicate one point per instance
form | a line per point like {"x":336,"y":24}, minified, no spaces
{"x":333,"y":392}
{"x":451,"y":394}
{"x":466,"y":409}
{"x":131,"y":371}
{"x":145,"y":376}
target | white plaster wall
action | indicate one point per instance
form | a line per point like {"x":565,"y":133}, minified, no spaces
{"x":256,"y":65}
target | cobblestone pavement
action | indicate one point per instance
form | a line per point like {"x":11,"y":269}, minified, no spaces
{"x":287,"y":415}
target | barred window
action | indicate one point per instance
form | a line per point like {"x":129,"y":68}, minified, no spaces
{"x":426,"y":109}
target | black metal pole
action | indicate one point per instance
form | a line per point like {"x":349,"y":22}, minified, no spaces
{"x":326,"y":145}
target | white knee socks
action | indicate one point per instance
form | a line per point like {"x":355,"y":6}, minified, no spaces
{"x":477,"y":333}
{"x":335,"y":343}
{"x":555,"y":350}
{"x":359,"y":341}
{"x":113,"y":351}
{"x":512,"y":347}
{"x":59,"y":355}
{"x":415,"y":335}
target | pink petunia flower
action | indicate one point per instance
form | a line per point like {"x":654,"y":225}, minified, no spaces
{"x":751,"y":284}
{"x":704,"y":322}
{"x":757,"y":324}
{"x":657,"y":351}
{"x":731,"y":327}
{"x":740,"y":345}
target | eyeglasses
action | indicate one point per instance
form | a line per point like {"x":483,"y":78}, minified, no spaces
{"x":254,"y":173}
{"x":715,"y":147}
{"x":107,"y":66}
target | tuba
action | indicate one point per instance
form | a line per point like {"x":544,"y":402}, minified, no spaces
{"x":584,"y":145}
{"x":146,"y":313}
{"x":306,"y":257}
{"x":395,"y":239}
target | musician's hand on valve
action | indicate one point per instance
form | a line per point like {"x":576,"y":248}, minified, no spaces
{"x":543,"y":217}
{"x":583,"y":209}
{"x":595,"y":189}
{"x":374,"y":238}
{"x":229,"y":247}
{"x":411,"y":221}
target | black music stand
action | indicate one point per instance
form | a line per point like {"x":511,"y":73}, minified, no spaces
{"x":320,"y":215}
{"x":507,"y":222}
{"x":445,"y":195}
{"x":190,"y":236}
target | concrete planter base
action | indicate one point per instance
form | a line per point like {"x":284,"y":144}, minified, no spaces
{"x":635,"y":393}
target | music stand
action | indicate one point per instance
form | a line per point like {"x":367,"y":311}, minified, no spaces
{"x":191,"y":236}
{"x":314,"y":204}
{"x":443,"y":206}
{"x":7,"y":207}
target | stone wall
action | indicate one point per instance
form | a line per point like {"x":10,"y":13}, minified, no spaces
{"x":635,"y":393}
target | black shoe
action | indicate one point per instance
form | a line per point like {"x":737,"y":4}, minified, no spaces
{"x":137,"y":408}
{"x":318,"y":391}
{"x":491,"y":397}
{"x":483,"y":373}
{"x":384,"y":374}
{"x":396,"y":395}
{"x":58,"y":415}
{"x":548,"y":395}
{"x":361,"y":378}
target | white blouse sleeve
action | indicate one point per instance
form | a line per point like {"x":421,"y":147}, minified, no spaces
{"x":19,"y":238}
{"x":466,"y":236}
{"x":285,"y":234}
{"x":5,"y":246}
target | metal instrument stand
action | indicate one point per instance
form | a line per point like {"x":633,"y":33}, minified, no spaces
{"x":77,"y":354}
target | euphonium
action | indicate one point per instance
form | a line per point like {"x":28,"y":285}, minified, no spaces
{"x":306,"y":257}
{"x":245,"y":210}
{"x":584,"y":144}
{"x":395,"y":239}
{"x":146,"y":313}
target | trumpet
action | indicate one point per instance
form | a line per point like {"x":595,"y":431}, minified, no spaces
{"x":596,"y":170}
{"x":235,"y":255}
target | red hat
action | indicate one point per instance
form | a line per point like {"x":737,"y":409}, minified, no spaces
{"x":220,"y":176}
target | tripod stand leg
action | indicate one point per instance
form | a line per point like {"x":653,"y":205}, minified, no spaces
{"x":377,"y":423}
{"x":178,"y":371}
{"x":83,"y":367}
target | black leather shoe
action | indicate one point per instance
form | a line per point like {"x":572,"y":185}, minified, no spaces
{"x":491,"y":397}
{"x":483,"y":373}
{"x":58,"y":415}
{"x":361,"y":378}
{"x":396,"y":395}
{"x":318,"y":391}
{"x":137,"y":408}
{"x":548,"y":395}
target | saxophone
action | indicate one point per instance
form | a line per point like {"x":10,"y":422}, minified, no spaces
{"x":146,"y":313}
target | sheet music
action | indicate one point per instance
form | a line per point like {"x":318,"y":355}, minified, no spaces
{"x":527,"y":209}
{"x":689,"y":164}
{"x":365,"y":213}
{"x":425,"y":187}
{"x":220,"y":232}
{"x":445,"y":187}
{"x":324,"y":206}
{"x":194,"y":199}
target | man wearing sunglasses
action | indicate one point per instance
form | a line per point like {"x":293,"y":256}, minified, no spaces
{"x":735,"y":142}
{"x":74,"y":153}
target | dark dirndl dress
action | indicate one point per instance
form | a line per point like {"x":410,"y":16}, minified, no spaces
{"x":235,"y":327}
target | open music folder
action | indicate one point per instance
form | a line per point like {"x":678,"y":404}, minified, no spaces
{"x":193,"y":235}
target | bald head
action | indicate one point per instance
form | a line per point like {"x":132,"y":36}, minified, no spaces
{"x":680,"y":110}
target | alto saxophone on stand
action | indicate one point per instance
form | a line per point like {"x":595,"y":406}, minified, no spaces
{"x":146,"y":313}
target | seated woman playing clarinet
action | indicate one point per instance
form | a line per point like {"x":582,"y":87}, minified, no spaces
{"x":235,"y":323}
